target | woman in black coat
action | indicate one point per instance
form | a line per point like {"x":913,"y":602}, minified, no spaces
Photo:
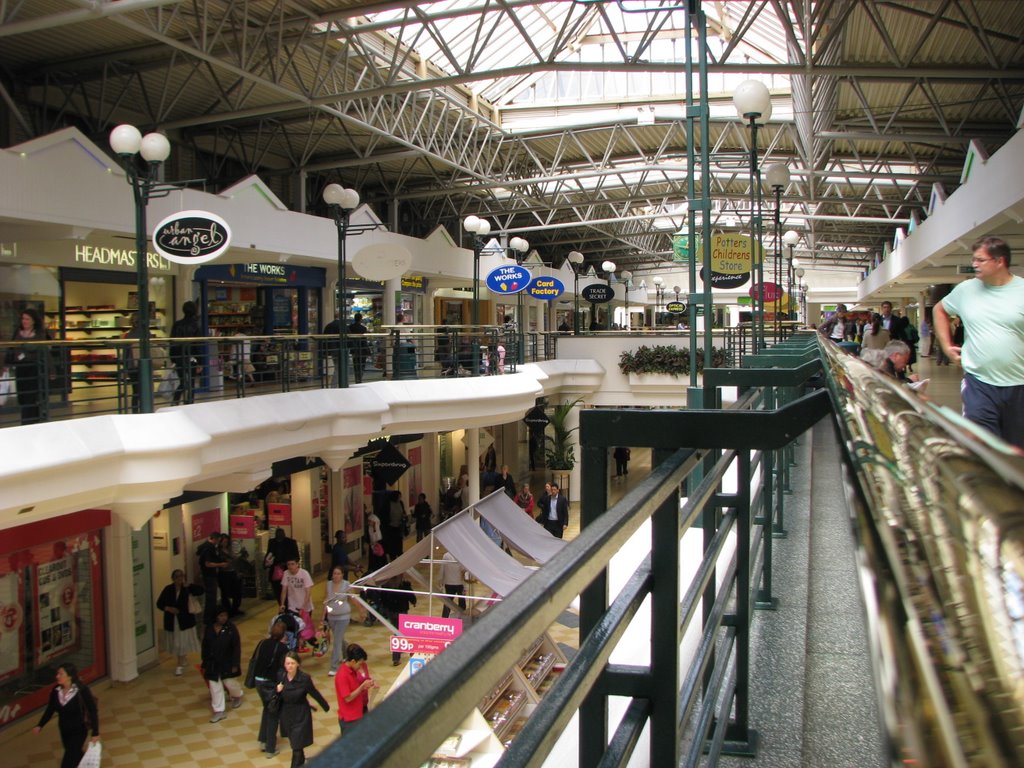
{"x":76,"y":712}
{"x":268,"y":667}
{"x":296,"y":716}
{"x":179,"y":624}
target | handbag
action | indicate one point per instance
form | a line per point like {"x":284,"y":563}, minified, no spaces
{"x":277,"y":574}
{"x":91,"y":758}
{"x":194,"y":606}
{"x":273,"y":705}
{"x":250,"y":672}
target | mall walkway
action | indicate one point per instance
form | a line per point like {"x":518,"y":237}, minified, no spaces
{"x":812,"y":705}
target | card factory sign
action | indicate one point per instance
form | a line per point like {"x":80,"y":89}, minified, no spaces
{"x":192,"y":237}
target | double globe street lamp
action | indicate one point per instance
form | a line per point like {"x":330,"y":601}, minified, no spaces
{"x":128,"y":142}
{"x":753,"y":103}
{"x":479,"y":229}
{"x":609,"y":270}
{"x":790,"y":239}
{"x":576,"y":263}
{"x":341,"y":202}
{"x":777,"y":176}
{"x":659,"y":293}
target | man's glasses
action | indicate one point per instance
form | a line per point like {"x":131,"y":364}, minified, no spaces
{"x":976,"y":260}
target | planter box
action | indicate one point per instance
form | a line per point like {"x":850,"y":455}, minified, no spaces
{"x":658,"y":382}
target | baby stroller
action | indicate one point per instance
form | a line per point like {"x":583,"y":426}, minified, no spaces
{"x":294,"y":628}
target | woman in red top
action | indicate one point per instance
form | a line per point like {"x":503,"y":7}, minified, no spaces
{"x":352,"y":683}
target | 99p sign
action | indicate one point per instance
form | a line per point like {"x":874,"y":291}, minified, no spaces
{"x":421,"y":645}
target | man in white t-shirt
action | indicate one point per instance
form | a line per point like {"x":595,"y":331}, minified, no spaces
{"x":991,"y":307}
{"x":296,"y":587}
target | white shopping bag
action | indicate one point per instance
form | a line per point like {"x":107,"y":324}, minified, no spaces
{"x":91,"y":759}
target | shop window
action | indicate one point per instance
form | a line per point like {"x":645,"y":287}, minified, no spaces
{"x":51,"y":608}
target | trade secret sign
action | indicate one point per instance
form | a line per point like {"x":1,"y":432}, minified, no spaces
{"x":545,"y":288}
{"x":508,"y":279}
{"x":191,"y":237}
{"x":597,"y":293}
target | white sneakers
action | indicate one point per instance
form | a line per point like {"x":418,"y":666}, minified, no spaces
{"x":178,"y":671}
{"x":218,"y":716}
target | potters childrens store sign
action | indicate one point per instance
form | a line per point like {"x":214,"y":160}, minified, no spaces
{"x":192,"y":237}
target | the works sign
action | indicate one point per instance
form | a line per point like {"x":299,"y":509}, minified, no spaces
{"x":192,"y":237}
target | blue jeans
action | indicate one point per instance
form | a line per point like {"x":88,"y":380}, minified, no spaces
{"x":338,"y":627}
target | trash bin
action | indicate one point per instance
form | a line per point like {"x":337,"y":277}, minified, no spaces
{"x":405,"y":360}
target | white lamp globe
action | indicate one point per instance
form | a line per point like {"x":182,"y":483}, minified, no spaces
{"x":751,"y":99}
{"x":519,"y":244}
{"x":799,"y":272}
{"x":777,"y":175}
{"x":765,"y":116}
{"x":626,"y":275}
{"x":575,"y":257}
{"x":791,"y":237}
{"x":349,"y":199}
{"x":333,"y":194}
{"x":125,"y":140}
{"x":608,"y":266}
{"x":483,"y":228}
{"x":676,"y":289}
{"x":155,"y":147}
{"x":658,"y":280}
{"x":471,"y":223}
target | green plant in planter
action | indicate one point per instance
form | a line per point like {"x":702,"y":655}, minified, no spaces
{"x":675,"y":361}
{"x":559,"y":452}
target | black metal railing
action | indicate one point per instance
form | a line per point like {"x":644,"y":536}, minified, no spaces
{"x":702,"y":707}
{"x":57,"y":380}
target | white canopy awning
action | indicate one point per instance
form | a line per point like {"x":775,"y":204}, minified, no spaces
{"x":462,"y":536}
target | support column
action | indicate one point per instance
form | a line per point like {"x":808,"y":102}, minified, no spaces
{"x":473,"y":464}
{"x":431,"y":469}
{"x":572,"y":422}
{"x":120,"y":591}
{"x":391,"y":288}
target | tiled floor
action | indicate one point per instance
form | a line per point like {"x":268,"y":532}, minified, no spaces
{"x":159,"y":720}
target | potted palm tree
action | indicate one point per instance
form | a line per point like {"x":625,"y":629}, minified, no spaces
{"x":559,"y":451}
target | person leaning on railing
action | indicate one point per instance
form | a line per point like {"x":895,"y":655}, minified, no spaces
{"x":26,"y":363}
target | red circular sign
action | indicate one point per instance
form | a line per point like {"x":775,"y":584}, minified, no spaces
{"x":769,"y":291}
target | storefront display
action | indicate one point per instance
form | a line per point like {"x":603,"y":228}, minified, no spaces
{"x":260,"y":298}
{"x":51,"y":608}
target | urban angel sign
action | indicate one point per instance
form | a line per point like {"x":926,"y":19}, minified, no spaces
{"x":192,"y":237}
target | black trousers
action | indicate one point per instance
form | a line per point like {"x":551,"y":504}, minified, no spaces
{"x":454,"y":589}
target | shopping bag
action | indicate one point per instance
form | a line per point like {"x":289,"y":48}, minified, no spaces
{"x":6,"y":386}
{"x":91,"y":758}
{"x":194,"y":606}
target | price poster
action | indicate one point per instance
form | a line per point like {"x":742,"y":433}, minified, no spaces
{"x":352,"y":499}
{"x":56,"y":609}
{"x":205,"y":523}
{"x":12,"y":635}
{"x":279,"y":515}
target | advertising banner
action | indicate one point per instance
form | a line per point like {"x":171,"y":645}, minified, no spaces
{"x":205,"y":523}
{"x":279,"y":515}
{"x":429,"y":627}
{"x":12,"y":618}
{"x":242,"y":526}
{"x":56,"y":604}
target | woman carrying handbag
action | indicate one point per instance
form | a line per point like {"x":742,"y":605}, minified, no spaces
{"x":77,"y":714}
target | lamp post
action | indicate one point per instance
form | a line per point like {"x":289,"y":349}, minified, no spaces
{"x":659,"y":292}
{"x":777,"y":176}
{"x":626,"y":276}
{"x":576,"y":262}
{"x":790,"y":239}
{"x":127,"y":142}
{"x":341,"y":202}
{"x":479,"y":229}
{"x":609,"y":270}
{"x":753,"y":103}
{"x":520,"y":247}
{"x":799,"y":272}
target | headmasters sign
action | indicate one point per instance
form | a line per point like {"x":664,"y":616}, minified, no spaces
{"x":192,"y":237}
